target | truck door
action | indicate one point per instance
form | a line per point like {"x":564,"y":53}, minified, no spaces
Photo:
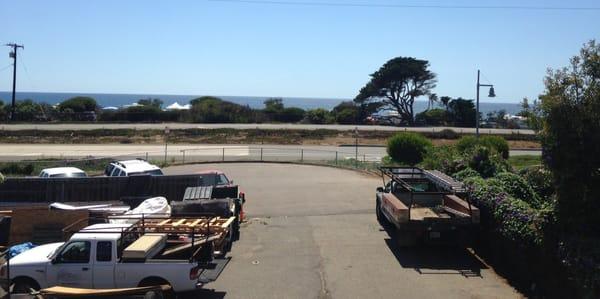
{"x":104,"y":265}
{"x":72,"y":266}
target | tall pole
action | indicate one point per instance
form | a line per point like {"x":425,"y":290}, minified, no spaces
{"x":477,"y":108}
{"x":13,"y":55}
{"x":356,"y":147}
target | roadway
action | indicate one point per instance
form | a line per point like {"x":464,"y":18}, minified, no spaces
{"x":312,"y":233}
{"x":197,"y":153}
{"x":160,"y":126}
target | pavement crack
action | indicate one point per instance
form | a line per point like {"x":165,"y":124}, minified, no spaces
{"x":324,"y":293}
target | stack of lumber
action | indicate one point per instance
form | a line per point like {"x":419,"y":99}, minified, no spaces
{"x":186,"y":225}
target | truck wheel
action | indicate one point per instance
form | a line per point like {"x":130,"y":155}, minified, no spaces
{"x":24,"y":285}
{"x":157,"y":281}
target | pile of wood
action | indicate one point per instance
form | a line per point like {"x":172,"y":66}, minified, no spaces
{"x":180,"y":237}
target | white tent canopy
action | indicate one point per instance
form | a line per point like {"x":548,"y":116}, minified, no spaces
{"x":177,"y":106}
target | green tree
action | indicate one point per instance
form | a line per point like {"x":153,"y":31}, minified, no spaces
{"x":408,"y":148}
{"x":432,"y":98}
{"x":79,"y":104}
{"x":432,"y":117}
{"x":462,"y":112}
{"x":273,"y":105}
{"x":210,"y":109}
{"x":157,"y":103}
{"x":346,"y":113}
{"x":319,"y":116}
{"x":571,"y":138}
{"x":291,"y":115}
{"x":397,"y":84}
{"x":26,"y":110}
{"x":445,"y":100}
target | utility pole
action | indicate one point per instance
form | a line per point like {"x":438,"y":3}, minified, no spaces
{"x":13,"y":55}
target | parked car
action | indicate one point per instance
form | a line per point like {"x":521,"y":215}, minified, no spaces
{"x":131,"y":167}
{"x":215,"y":178}
{"x":62,"y":172}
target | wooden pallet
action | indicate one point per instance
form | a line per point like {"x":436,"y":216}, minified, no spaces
{"x":186,"y":225}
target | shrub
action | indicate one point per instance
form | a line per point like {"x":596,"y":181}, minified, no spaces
{"x":433,"y":117}
{"x":291,"y":115}
{"x":408,"y":148}
{"x":540,"y":179}
{"x":497,"y":143}
{"x":17,"y":169}
{"x":486,"y":162}
{"x":448,"y":134}
{"x":518,"y":187}
{"x":319,"y":116}
{"x":79,"y":104}
{"x":513,"y":218}
{"x":466,"y":173}
{"x":466,"y":143}
{"x":445,"y":159}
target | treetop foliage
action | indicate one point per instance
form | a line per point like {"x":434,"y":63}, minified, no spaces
{"x":397,"y":84}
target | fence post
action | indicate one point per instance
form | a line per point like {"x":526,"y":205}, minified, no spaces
{"x":301,"y":155}
{"x":146,"y":156}
{"x":336,"y":157}
{"x":261,"y":154}
{"x":364,"y":158}
{"x":223,"y":153}
{"x":183,"y":158}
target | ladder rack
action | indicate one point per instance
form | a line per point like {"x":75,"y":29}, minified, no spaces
{"x":444,"y":181}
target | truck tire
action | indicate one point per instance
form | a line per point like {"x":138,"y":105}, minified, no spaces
{"x":23,"y":285}
{"x":156,"y":281}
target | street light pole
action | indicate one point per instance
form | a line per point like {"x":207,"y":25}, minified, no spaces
{"x":477,"y":107}
{"x":491,"y":95}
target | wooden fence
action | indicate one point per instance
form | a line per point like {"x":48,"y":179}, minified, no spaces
{"x":95,"y":189}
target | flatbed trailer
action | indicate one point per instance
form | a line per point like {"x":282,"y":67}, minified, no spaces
{"x":425,"y":206}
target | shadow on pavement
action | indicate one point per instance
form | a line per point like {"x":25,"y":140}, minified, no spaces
{"x":436,"y":259}
{"x":203,"y":293}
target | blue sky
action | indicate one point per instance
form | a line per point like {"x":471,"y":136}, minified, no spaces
{"x":232,"y":48}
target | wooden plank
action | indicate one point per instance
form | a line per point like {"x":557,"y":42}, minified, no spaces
{"x":163,"y":222}
{"x":227,"y":223}
{"x":180,"y":222}
{"x":422,"y":213}
{"x":189,"y":245}
{"x":194,"y":223}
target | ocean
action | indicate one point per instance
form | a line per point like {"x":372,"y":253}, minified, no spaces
{"x":117,"y":100}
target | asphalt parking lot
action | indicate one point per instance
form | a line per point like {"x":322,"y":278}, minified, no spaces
{"x":312,"y":233}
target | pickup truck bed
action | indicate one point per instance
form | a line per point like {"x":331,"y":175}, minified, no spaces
{"x":424,"y":206}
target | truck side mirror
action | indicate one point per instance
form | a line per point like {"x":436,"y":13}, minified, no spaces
{"x":380,"y":189}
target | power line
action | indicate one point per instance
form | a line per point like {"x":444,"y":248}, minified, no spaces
{"x":22,"y":62}
{"x":5,"y":68}
{"x":432,"y":6}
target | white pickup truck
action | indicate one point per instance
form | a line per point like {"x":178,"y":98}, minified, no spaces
{"x":92,"y":259}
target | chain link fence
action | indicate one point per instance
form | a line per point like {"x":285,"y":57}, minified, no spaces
{"x":345,"y":157}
